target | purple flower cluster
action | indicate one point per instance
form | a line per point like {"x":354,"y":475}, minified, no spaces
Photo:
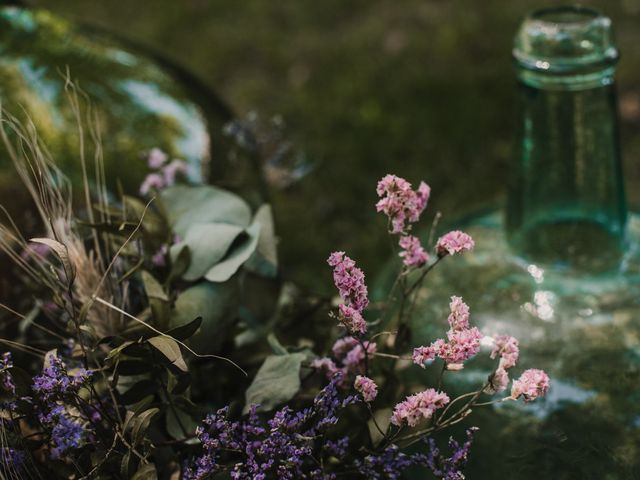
{"x":66,"y":432}
{"x":56,"y":391}
{"x":391,"y":462}
{"x":56,"y":382}
{"x":6,"y":363}
{"x":287,"y":447}
{"x":449,"y":468}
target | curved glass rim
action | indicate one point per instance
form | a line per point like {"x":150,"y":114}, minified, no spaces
{"x":589,"y":14}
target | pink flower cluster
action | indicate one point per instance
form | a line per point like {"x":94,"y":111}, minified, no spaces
{"x":400,"y":202}
{"x":506,"y":347}
{"x":403,"y":205}
{"x":454,"y":242}
{"x":349,"y":280}
{"x":463,"y":340}
{"x":418,"y":406}
{"x":165,"y":176}
{"x":413,"y":254}
{"x":366,"y":387}
{"x":349,"y":354}
{"x":533,"y":383}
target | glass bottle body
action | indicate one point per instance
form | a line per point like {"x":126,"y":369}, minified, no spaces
{"x":566,"y":202}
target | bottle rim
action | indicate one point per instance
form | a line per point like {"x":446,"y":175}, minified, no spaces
{"x":543,"y":34}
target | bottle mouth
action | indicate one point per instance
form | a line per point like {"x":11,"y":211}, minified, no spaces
{"x":565,"y":40}
{"x":566,"y":15}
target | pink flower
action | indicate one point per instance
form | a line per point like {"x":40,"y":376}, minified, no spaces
{"x":352,"y":319}
{"x":159,"y":259}
{"x":354,"y":359}
{"x":463,"y":344}
{"x":418,"y":406}
{"x":170,"y":171}
{"x":156,"y":158}
{"x":366,"y":387}
{"x":422,"y":355}
{"x":349,"y":354}
{"x":533,"y":383}
{"x":498,"y":381}
{"x":325,"y":364}
{"x":414,"y":255}
{"x":400,"y":203}
{"x":454,"y":242}
{"x":349,"y":280}
{"x":344,"y":345}
{"x":152,"y":181}
{"x":459,"y":316}
{"x":506,"y":347}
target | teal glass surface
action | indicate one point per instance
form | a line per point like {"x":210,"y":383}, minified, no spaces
{"x":566,"y":203}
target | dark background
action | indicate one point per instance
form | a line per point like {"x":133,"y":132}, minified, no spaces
{"x":423,"y":89}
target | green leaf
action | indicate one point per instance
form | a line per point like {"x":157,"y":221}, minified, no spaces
{"x":188,"y":205}
{"x":180,"y":425}
{"x":185,"y":331}
{"x":141,"y":423}
{"x":264,"y":260}
{"x":170,"y":349}
{"x":238,"y":255}
{"x":216,"y":304}
{"x":180,"y":261}
{"x":146,"y":472}
{"x":277,"y":381}
{"x":63,"y":254}
{"x":116,"y":351}
{"x":138,"y":392}
{"x":208,"y":244}
{"x":153,"y":287}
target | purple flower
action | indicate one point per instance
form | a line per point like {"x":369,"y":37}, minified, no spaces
{"x":449,"y":468}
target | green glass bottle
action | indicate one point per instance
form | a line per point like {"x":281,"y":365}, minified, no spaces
{"x":566,"y":202}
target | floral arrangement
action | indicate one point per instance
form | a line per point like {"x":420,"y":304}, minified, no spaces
{"x":140,"y":348}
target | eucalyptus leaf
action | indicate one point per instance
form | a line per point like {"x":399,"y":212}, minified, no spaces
{"x":188,"y":205}
{"x":277,"y":381}
{"x":208,"y":244}
{"x":240,"y":254}
{"x":264,"y":260}
{"x":217,"y":305}
{"x":170,"y":349}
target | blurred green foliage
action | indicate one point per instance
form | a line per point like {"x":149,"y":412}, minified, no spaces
{"x":424,"y":89}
